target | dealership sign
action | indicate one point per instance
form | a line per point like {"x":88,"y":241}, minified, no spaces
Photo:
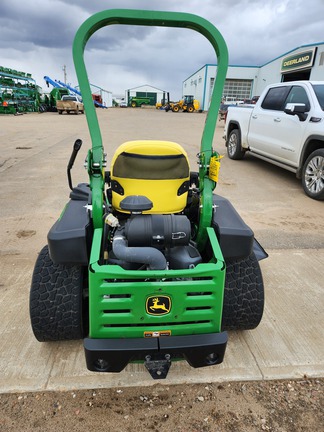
{"x":298,"y":61}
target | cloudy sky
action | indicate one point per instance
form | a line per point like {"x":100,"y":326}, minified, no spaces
{"x":36,"y":36}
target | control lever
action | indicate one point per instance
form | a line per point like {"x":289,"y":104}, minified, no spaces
{"x":76,"y":147}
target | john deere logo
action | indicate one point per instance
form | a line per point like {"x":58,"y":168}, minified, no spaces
{"x":158,"y":305}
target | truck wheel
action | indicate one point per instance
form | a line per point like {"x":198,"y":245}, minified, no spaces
{"x":77,"y":111}
{"x":60,"y":112}
{"x":243,"y":294}
{"x":313,"y":175}
{"x":133,"y":104}
{"x":190,"y":109}
{"x":234,"y":149}
{"x":175,"y":108}
{"x":56,"y":300}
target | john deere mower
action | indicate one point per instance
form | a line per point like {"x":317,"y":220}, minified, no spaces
{"x":146,"y":263}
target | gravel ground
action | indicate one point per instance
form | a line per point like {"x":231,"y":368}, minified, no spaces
{"x":281,"y":406}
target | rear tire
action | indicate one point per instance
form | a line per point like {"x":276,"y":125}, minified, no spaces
{"x":243,"y":294}
{"x":56,"y":300}
{"x":234,"y":149}
{"x":175,"y":108}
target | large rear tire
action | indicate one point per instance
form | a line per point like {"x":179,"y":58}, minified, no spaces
{"x":243,"y":295}
{"x":56,"y":300}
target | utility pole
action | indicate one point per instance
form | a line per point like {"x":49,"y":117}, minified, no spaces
{"x":64,"y":70}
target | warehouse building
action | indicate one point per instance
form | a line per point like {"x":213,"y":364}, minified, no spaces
{"x":242,"y":82}
{"x":145,"y":91}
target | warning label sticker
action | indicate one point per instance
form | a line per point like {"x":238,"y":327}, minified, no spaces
{"x":151,"y":334}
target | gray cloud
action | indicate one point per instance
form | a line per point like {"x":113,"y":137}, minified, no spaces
{"x":36,"y":36}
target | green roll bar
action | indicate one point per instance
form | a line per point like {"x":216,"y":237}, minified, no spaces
{"x":95,"y":155}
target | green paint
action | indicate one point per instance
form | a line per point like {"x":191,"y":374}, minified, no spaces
{"x":117,"y":297}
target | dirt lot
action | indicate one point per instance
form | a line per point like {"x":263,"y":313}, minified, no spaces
{"x":34,"y":153}
{"x":281,"y":406}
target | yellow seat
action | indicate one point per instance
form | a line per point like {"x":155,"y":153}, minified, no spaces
{"x":158,"y":170}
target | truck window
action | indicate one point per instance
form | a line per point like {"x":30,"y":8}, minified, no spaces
{"x":70,"y":98}
{"x":298,"y":94}
{"x":319,"y":91}
{"x":275,"y":98}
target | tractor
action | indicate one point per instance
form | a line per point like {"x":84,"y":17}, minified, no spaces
{"x":146,"y":263}
{"x":135,"y":102}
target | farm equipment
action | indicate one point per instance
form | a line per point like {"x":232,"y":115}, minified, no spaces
{"x":135,"y":101}
{"x":187,"y":104}
{"x":165,"y":101}
{"x":61,"y":89}
{"x":18,"y":92}
{"x":145,"y":263}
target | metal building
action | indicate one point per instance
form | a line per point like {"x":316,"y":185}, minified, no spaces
{"x":242,"y":82}
{"x":146,"y":91}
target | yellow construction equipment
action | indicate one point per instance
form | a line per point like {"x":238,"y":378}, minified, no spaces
{"x":188,"y":104}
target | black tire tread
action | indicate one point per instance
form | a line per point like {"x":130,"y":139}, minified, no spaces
{"x":56,"y":300}
{"x":243,"y":294}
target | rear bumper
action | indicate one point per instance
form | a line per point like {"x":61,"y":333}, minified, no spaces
{"x":113,"y":355}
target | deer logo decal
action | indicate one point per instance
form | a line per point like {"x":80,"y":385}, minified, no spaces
{"x":158,"y":305}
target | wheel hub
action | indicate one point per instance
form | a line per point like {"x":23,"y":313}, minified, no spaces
{"x":315,"y":174}
{"x":232,"y":145}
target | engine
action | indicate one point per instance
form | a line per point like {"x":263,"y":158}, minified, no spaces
{"x":154,"y":242}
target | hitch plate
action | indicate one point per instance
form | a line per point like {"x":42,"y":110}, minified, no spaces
{"x":159,"y":366}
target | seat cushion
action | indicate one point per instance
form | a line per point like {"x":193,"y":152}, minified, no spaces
{"x":158,"y":170}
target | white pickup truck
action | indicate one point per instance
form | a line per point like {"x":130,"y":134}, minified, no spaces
{"x":286,"y":128}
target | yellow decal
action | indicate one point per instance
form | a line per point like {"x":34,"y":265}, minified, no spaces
{"x":158,"y":305}
{"x":214,"y":167}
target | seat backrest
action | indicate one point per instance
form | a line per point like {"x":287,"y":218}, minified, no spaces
{"x":158,"y":170}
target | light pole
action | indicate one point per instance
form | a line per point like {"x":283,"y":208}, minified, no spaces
{"x":64,"y":70}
